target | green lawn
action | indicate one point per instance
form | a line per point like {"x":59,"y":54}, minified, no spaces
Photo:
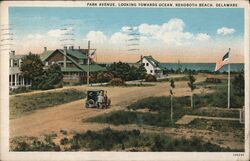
{"x":21,"y":104}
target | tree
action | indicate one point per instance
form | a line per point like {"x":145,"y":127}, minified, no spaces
{"x":51,"y":78}
{"x":32,"y":68}
{"x":141,"y":73}
{"x":191,"y":86}
{"x":172,"y":85}
{"x":119,"y":70}
{"x":127,"y":72}
{"x":239,"y":84}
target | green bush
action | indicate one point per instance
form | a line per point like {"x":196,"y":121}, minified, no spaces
{"x":36,"y":145}
{"x":104,"y":77}
{"x":150,"y":78}
{"x":117,"y":82}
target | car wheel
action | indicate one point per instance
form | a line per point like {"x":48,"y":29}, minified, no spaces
{"x":91,"y":103}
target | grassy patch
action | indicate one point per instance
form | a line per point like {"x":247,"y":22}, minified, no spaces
{"x":216,"y":112}
{"x":217,"y":125}
{"x":20,"y":90}
{"x":161,"y":105}
{"x":21,"y":104}
{"x":176,"y":79}
{"x":128,"y":85}
{"x":129,"y":117}
{"x":112,"y":140}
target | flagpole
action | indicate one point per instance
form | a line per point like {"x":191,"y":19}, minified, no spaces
{"x":228,"y":102}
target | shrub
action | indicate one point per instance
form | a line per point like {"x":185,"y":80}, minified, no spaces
{"x":64,"y":141}
{"x":20,"y":90}
{"x":64,"y":132}
{"x":93,"y":78}
{"x":104,"y":77}
{"x":117,"y":82}
{"x":150,"y":78}
{"x":213,"y":80}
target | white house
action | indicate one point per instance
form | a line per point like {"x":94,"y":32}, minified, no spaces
{"x":152,"y":66}
{"x":16,"y":80}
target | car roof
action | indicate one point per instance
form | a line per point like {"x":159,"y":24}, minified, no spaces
{"x":95,"y":90}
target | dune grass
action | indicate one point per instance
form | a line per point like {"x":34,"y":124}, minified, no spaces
{"x":21,"y":104}
{"x":113,"y":140}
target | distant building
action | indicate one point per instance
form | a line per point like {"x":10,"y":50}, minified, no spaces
{"x":152,"y":66}
{"x":73,"y":62}
{"x":16,"y":80}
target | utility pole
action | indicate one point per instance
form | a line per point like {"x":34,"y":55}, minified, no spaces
{"x":88,"y":63}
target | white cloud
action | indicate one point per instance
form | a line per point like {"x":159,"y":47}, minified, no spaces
{"x":96,"y":36}
{"x":174,"y":24}
{"x":202,"y":37}
{"x":119,"y":37}
{"x":171,"y":32}
{"x":147,"y":29}
{"x":225,"y":31}
{"x":59,"y":32}
{"x":35,"y":36}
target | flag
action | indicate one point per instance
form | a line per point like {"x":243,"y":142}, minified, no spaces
{"x":221,"y":63}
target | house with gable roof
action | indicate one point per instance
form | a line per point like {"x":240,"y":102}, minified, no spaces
{"x":16,"y":79}
{"x":152,"y":66}
{"x":73,"y":62}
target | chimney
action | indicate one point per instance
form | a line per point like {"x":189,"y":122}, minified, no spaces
{"x":45,"y":48}
{"x":71,"y":47}
{"x":12,"y":52}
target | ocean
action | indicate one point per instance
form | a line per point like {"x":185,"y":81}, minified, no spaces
{"x":203,"y":66}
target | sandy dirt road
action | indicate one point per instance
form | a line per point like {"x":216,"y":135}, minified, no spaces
{"x":69,"y":116}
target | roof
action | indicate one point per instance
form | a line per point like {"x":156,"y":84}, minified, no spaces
{"x":77,"y":53}
{"x":153,"y":62}
{"x":46,"y":54}
{"x":14,"y":70}
{"x":13,"y":56}
{"x":93,"y":68}
{"x":70,"y":69}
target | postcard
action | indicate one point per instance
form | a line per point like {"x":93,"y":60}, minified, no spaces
{"x":124,"y":80}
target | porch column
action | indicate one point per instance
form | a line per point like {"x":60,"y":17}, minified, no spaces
{"x":10,"y":83}
{"x":15,"y":80}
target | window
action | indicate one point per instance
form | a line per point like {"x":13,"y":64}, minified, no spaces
{"x":143,"y":64}
{"x":151,"y":71}
{"x":15,"y":63}
{"x":147,"y":64}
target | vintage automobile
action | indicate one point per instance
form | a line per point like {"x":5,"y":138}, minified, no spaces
{"x":92,"y":97}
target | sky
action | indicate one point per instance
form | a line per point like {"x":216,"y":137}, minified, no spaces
{"x":123,"y":34}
